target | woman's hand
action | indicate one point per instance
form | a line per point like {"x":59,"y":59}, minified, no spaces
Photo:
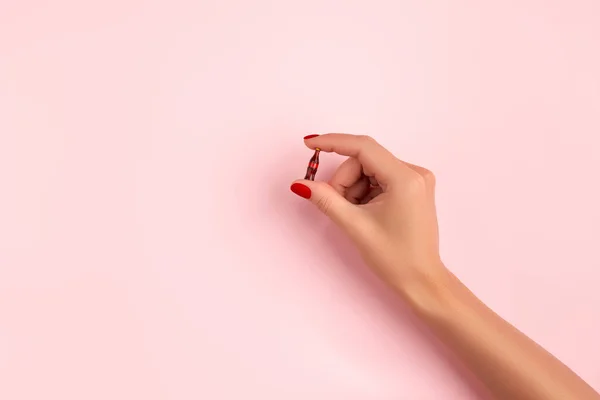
{"x":387,"y":208}
{"x":385,"y":205}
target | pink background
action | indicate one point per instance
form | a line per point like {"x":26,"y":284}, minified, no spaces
{"x":150,"y":247}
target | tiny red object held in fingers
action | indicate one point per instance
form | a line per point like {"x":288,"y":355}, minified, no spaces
{"x":313,"y":165}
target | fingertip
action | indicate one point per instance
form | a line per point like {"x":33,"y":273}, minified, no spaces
{"x":300,"y":189}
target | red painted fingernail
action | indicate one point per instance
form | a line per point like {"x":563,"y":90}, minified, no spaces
{"x":310,"y":136}
{"x":301,"y":190}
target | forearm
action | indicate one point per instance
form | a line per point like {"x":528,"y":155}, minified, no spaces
{"x":511,"y":365}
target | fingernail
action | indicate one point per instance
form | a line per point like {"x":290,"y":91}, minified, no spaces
{"x":310,"y":136}
{"x":301,"y":190}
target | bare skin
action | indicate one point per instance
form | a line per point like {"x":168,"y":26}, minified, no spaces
{"x":387,"y":208}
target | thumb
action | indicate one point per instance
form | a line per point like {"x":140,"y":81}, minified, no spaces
{"x":326,"y":198}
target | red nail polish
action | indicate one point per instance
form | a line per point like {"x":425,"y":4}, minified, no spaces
{"x":310,"y":136}
{"x":301,"y":190}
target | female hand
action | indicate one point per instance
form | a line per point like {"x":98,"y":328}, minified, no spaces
{"x":385,"y":205}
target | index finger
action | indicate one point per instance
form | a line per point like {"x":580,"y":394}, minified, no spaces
{"x":374,"y":157}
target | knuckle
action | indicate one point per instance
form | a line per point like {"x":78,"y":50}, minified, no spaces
{"x":366,"y":139}
{"x":428,"y":176}
{"x":324,"y":205}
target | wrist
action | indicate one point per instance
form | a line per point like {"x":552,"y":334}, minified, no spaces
{"x":434,"y":295}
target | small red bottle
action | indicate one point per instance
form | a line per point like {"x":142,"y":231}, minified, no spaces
{"x":313,"y":165}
